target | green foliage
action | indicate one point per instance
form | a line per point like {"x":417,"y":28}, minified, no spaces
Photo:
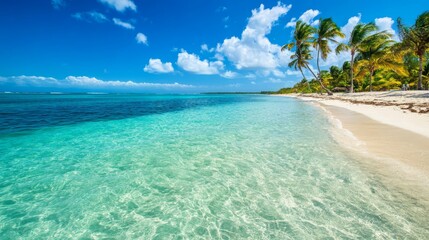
{"x":377,"y":62}
{"x":303,"y":35}
{"x":415,"y":39}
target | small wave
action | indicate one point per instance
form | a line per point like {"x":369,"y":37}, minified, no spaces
{"x":340,"y":134}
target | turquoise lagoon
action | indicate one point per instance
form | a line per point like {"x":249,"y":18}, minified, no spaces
{"x":188,"y":167}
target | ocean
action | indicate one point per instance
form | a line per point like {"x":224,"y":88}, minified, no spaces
{"x":130,"y":166}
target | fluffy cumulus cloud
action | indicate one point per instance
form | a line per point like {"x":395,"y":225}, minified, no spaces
{"x":141,"y":38}
{"x":92,"y":16}
{"x":230,"y":74}
{"x":254,"y":50}
{"x":385,"y":24}
{"x":193,"y":63}
{"x":123,"y":24}
{"x":307,"y":17}
{"x":120,"y":5}
{"x":351,"y":23}
{"x":156,"y":66}
{"x":84,"y":82}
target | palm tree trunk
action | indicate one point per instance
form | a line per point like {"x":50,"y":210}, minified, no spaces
{"x":419,"y":84}
{"x":321,"y":84}
{"x":370,"y":79}
{"x":351,"y":72}
{"x":308,"y":84}
{"x":318,"y":57}
{"x":300,"y":69}
{"x":319,"y":75}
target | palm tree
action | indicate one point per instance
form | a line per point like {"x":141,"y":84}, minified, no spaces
{"x":360,"y":34}
{"x":327,"y":32}
{"x":416,"y":39}
{"x":303,"y":39}
{"x":376,"y":53}
{"x":303,"y":35}
{"x":299,"y":60}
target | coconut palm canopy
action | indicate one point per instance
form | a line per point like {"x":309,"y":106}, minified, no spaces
{"x":378,"y":61}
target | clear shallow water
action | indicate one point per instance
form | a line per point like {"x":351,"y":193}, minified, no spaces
{"x":187,"y":167}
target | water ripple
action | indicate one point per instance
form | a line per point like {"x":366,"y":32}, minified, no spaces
{"x":265,"y":169}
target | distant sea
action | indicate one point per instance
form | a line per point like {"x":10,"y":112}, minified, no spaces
{"x":128,"y":166}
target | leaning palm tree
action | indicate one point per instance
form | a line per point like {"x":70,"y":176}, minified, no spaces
{"x":360,"y":34}
{"x":302,"y":41}
{"x":416,"y":39}
{"x":327,"y":32}
{"x":377,"y":54}
{"x":300,"y":60}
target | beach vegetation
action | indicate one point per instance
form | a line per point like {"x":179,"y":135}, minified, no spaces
{"x":303,"y":41}
{"x":415,"y":39}
{"x":327,"y":32}
{"x":378,"y":60}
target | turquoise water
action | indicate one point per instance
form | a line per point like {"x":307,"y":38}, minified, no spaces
{"x":187,"y":167}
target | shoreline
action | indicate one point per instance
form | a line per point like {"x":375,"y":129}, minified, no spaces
{"x":392,"y":142}
{"x":391,"y":108}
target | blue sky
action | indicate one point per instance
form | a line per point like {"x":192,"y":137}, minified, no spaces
{"x":168,"y":46}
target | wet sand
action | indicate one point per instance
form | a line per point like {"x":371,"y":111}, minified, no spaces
{"x":400,"y":156}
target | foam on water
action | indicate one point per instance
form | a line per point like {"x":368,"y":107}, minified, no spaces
{"x":250,"y":168}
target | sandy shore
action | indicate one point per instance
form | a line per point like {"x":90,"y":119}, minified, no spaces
{"x":408,"y":110}
{"x":392,"y":127}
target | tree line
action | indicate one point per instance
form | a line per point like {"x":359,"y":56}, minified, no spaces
{"x":377,"y":62}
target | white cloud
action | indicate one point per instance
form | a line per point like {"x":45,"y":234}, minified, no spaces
{"x":123,"y":24}
{"x":90,"y":16}
{"x":351,"y":23}
{"x":293,"y":73}
{"x":192,"y":63}
{"x":94,"y":82}
{"x":229,"y":74}
{"x":273,"y":80}
{"x":57,"y":3}
{"x":315,"y":23}
{"x":291,"y":23}
{"x":120,"y":5}
{"x":83,"y":82}
{"x":254,"y":50}
{"x":156,"y":66}
{"x":36,"y":81}
{"x":278,"y":73}
{"x":141,"y":38}
{"x":250,"y":76}
{"x":307,"y":17}
{"x":205,"y":48}
{"x":385,"y":24}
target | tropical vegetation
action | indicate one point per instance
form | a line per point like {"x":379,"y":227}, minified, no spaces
{"x":377,"y":60}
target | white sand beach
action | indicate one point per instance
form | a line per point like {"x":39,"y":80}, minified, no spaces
{"x":408,"y":110}
{"x":387,"y":128}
